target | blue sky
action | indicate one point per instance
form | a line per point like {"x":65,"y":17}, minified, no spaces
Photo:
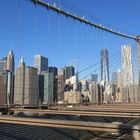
{"x":29,"y":30}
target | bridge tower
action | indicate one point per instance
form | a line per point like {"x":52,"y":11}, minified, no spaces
{"x":138,"y":41}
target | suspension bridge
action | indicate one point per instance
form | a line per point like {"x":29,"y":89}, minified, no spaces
{"x":120,"y":119}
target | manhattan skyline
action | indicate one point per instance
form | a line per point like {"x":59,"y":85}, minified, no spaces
{"x":47,"y":37}
{"x":69,"y":70}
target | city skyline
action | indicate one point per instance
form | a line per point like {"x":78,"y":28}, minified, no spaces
{"x":69,"y":70}
{"x":35,"y":37}
{"x":66,"y":72}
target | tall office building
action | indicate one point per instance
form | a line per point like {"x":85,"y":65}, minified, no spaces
{"x":10,"y":87}
{"x":41,"y":63}
{"x":19,"y":83}
{"x":46,"y":81}
{"x":61,"y":71}
{"x":26,"y":85}
{"x":10,"y":61}
{"x":104,"y":66}
{"x":94,"y":78}
{"x":3,"y":87}
{"x":3,"y":63}
{"x":54,"y":70}
{"x":60,"y":88}
{"x":7,"y":79}
{"x":69,"y":71}
{"x":60,"y":84}
{"x":127,"y":67}
{"x":6,"y":87}
{"x":31,"y":89}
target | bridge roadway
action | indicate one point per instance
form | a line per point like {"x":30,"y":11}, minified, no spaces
{"x":80,"y":125}
{"x":106,"y":130}
{"x":133,"y":107}
{"x":113,"y":110}
{"x":82,"y":113}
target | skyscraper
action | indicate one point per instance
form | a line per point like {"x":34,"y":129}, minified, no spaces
{"x":60,"y":84}
{"x":104,"y":66}
{"x":10,"y":61}
{"x":61,"y":71}
{"x":46,"y":81}
{"x":26,"y":85}
{"x":31,"y":89}
{"x":3,"y":63}
{"x":6,"y":87}
{"x":3,"y":87}
{"x":60,"y":88}
{"x":54,"y":70}
{"x":10,"y":87}
{"x":94,"y":78}
{"x":19,"y":83}
{"x":41,"y":63}
{"x":69,"y":71}
{"x":127,"y":67}
{"x":7,"y":78}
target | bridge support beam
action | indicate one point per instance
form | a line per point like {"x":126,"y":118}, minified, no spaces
{"x":138,"y":41}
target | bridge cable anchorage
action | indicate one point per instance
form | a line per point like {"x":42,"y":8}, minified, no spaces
{"x":83,"y":20}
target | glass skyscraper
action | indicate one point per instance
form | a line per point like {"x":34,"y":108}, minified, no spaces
{"x":41,"y":63}
{"x":69,"y":71}
{"x":104,"y":66}
{"x":3,"y":63}
{"x":94,"y":78}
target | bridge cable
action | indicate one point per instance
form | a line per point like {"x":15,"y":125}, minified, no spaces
{"x":19,"y":27}
{"x":58,"y":10}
